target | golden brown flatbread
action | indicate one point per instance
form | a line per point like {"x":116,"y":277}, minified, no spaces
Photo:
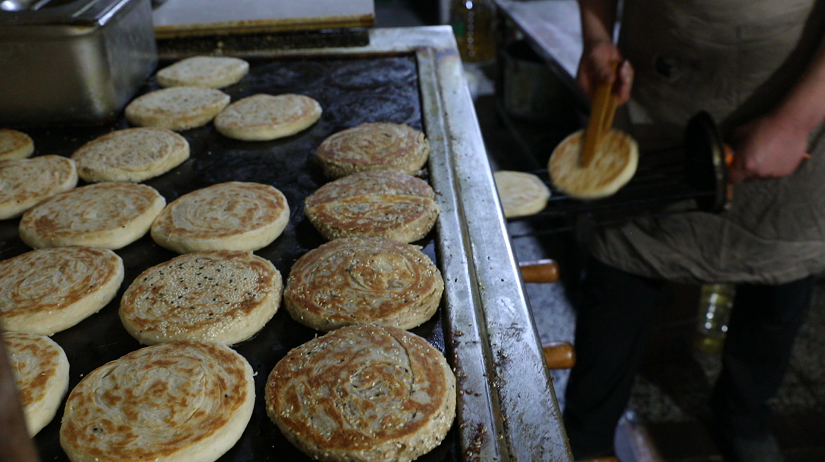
{"x":204,"y":72}
{"x":363,"y":393}
{"x":41,"y":373}
{"x":25,"y":183}
{"x":176,"y":108}
{"x":174,"y":401}
{"x":374,"y":203}
{"x":224,"y":296}
{"x":613,"y":165}
{"x":49,"y":290}
{"x":521,"y":193}
{"x":369,"y":279}
{"x":373,"y":146}
{"x":133,"y":154}
{"x":15,"y":144}
{"x":267,"y":117}
{"x":107,"y":215}
{"x":231,"y":216}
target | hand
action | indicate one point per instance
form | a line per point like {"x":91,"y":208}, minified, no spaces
{"x":768,"y":147}
{"x":596,"y":67}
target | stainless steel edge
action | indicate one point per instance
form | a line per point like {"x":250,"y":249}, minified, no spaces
{"x":497,"y":345}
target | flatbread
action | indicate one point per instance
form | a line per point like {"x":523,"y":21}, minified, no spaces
{"x":266,"y":117}
{"x":373,"y":146}
{"x":521,"y":193}
{"x":172,"y":402}
{"x":133,"y":155}
{"x":49,"y":290}
{"x":231,"y":216}
{"x":107,"y":215}
{"x":176,"y":108}
{"x":204,"y":72}
{"x":224,"y":296}
{"x":612,"y":167}
{"x":41,"y":373}
{"x":356,"y":280}
{"x":15,"y":144}
{"x":26,"y":182}
{"x":363,"y":393}
{"x":374,"y":203}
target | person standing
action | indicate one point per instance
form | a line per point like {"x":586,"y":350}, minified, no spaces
{"x":758,"y":67}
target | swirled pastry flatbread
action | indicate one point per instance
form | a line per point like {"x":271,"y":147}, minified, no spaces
{"x":133,"y":154}
{"x":356,"y":280}
{"x":613,"y":165}
{"x":41,"y":372}
{"x":224,"y":296}
{"x":176,"y":401}
{"x":363,"y":393}
{"x":374,"y":203}
{"x":231,"y":216}
{"x":176,"y":108}
{"x":26,"y":182}
{"x":107,"y":215}
{"x":266,"y":117}
{"x":373,"y":146}
{"x":204,"y":72}
{"x":49,"y":290}
{"x":15,"y":144}
{"x":521,"y":193}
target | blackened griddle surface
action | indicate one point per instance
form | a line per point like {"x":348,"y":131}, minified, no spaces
{"x":351,"y":91}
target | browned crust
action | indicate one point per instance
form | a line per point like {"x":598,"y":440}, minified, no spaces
{"x":49,"y":290}
{"x":373,"y":146}
{"x":32,"y":384}
{"x":156,"y":402}
{"x":355,"y":280}
{"x":220,"y":295}
{"x":15,"y":144}
{"x":373,"y":203}
{"x":363,"y":393}
{"x":27,"y":182}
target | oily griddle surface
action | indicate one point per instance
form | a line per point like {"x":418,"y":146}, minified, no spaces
{"x":351,"y":91}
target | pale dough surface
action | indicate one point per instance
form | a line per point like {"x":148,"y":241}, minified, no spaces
{"x":15,"y":144}
{"x":204,"y":72}
{"x":26,"y":182}
{"x":266,"y":117}
{"x":521,"y":193}
{"x":176,"y":108}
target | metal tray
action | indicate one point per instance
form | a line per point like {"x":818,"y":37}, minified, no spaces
{"x":506,"y":408}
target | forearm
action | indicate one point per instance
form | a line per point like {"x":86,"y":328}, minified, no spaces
{"x":598,"y":18}
{"x":804,"y":105}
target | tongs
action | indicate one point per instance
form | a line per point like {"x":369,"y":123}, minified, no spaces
{"x":602,"y":111}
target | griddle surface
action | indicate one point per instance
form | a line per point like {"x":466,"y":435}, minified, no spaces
{"x":351,"y":91}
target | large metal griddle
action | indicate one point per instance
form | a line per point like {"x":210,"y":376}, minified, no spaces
{"x":506,"y":407}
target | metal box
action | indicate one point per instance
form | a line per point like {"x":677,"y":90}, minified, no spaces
{"x":72,"y":62}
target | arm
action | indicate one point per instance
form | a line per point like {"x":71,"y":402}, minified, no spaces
{"x":598,"y":18}
{"x":775,"y":144}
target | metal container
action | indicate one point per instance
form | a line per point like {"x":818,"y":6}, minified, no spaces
{"x":72,"y":62}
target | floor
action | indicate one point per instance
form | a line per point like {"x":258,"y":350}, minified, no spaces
{"x":663,"y":420}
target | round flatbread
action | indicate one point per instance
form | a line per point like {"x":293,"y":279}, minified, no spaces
{"x":204,"y":72}
{"x":373,"y":146}
{"x":107,"y":215}
{"x":176,"y":108}
{"x":374,"y":203}
{"x":363,"y":393}
{"x":266,"y":117}
{"x":172,"y":402}
{"x":41,"y":373}
{"x":611,"y":168}
{"x":15,"y":144}
{"x":133,"y":155}
{"x":25,"y":183}
{"x":521,"y":193}
{"x":357,"y":280}
{"x":49,"y":290}
{"x":230,"y":216}
{"x":224,"y":296}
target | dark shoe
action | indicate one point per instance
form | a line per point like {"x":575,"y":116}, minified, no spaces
{"x":738,"y":449}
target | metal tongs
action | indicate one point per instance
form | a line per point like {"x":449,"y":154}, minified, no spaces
{"x":602,"y":112}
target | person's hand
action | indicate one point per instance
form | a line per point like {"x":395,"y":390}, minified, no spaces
{"x":771,"y":146}
{"x":596,"y":68}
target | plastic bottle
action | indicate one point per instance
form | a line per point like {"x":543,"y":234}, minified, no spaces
{"x":715,"y":303}
{"x":473,"y":24}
